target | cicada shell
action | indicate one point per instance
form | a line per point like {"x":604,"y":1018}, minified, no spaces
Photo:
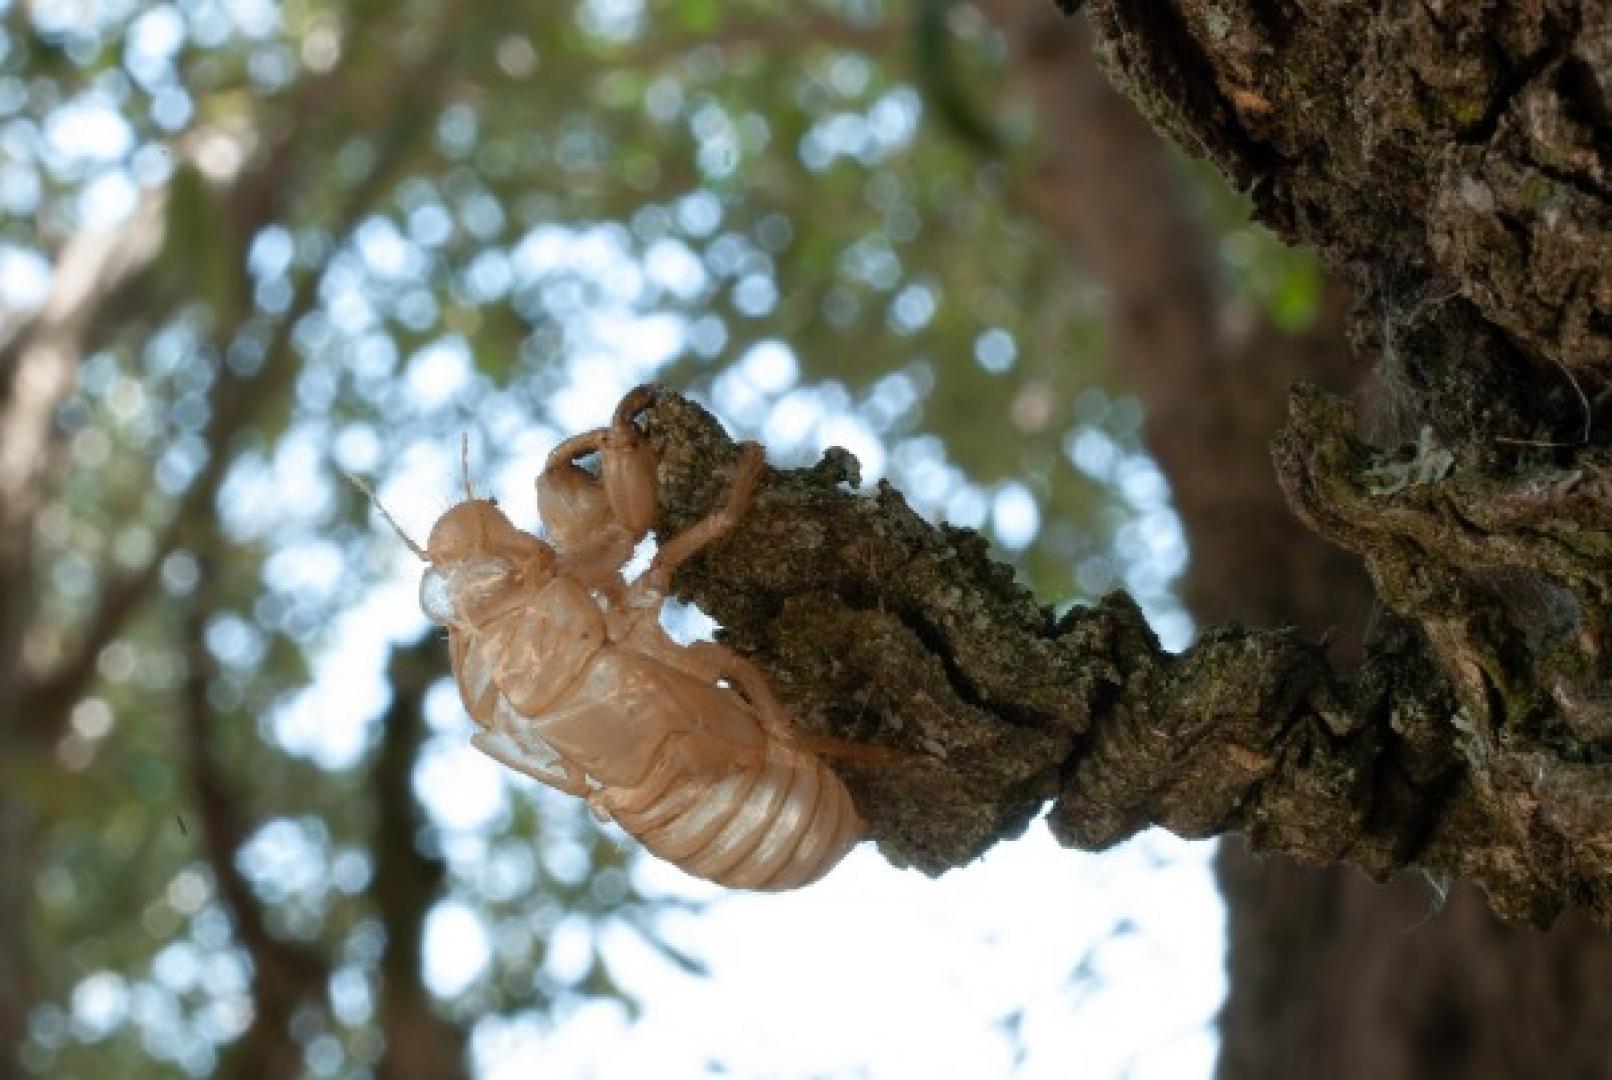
{"x":566,"y":671}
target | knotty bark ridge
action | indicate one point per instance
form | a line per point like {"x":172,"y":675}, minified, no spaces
{"x":875,"y":625}
{"x":1452,"y":159}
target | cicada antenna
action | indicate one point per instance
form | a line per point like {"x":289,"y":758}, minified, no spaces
{"x":369,"y":492}
{"x":470,"y":492}
{"x":464,"y":464}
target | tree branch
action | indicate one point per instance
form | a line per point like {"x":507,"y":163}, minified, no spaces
{"x":238,"y":401}
{"x":787,"y":35}
{"x":285,"y":973}
{"x":39,"y":359}
{"x":875,"y":625}
{"x":420,"y":1044}
{"x":38,"y":364}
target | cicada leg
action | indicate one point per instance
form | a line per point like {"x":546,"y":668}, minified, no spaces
{"x":626,"y":465}
{"x":747,"y":470}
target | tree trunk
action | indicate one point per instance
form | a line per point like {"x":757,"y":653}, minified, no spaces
{"x":420,"y":1043}
{"x":1331,"y":975}
{"x":1335,"y":977}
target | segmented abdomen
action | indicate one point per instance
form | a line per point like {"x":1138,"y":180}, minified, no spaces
{"x":780,"y":823}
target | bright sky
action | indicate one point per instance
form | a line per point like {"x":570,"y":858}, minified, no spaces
{"x":882,"y":973}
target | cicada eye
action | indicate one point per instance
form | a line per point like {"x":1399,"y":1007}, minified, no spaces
{"x":436,"y":597}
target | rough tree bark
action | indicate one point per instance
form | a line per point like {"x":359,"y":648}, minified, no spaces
{"x":1468,"y":743}
{"x":1478,"y":135}
{"x":875,"y":624}
{"x":1330,"y":975}
{"x":1325,"y":973}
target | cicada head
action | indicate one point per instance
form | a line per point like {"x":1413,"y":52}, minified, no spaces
{"x":476,"y":527}
{"x":471,"y":527}
{"x":478,"y":558}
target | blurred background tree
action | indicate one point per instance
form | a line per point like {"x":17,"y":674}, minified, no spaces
{"x":247,"y":245}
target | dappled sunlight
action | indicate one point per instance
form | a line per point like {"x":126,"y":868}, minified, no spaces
{"x":358,"y":275}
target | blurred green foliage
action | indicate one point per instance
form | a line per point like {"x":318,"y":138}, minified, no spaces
{"x":356,"y":194}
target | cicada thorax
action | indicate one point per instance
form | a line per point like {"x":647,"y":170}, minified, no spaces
{"x":530,"y":647}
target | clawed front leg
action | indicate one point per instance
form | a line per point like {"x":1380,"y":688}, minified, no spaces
{"x":686,"y":544}
{"x":576,"y":504}
{"x":595,"y":521}
{"x":627,"y":465}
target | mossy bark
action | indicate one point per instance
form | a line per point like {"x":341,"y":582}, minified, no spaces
{"x":1453,"y":160}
